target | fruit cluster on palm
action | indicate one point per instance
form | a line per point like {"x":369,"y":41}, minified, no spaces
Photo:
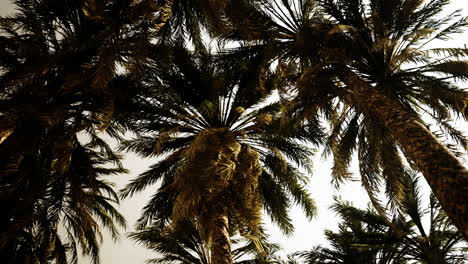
{"x":225,"y":149}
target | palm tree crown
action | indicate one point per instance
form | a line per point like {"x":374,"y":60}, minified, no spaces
{"x":219,"y":150}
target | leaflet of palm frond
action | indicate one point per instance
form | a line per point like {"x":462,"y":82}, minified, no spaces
{"x":441,"y":96}
{"x":292,"y":150}
{"x":103,"y":72}
{"x":214,"y":18}
{"x":370,"y":180}
{"x":411,"y":204}
{"x":351,"y":215}
{"x":158,"y":210}
{"x":104,"y":150}
{"x":256,"y":244}
{"x":393,"y":170}
{"x":102,"y":117}
{"x":175,"y":243}
{"x":316,"y":86}
{"x":104,"y":69}
{"x":166,"y":195}
{"x":76,"y":197}
{"x":336,"y":120}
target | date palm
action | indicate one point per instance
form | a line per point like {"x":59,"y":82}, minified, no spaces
{"x":76,"y":204}
{"x":58,"y":60}
{"x":222,"y":155}
{"x":360,"y":239}
{"x":367,"y":69}
{"x":396,"y":79}
{"x":365,"y":236}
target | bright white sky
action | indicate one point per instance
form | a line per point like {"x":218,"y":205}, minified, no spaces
{"x":307,"y":233}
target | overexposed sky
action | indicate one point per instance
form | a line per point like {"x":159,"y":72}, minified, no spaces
{"x":307,"y":233}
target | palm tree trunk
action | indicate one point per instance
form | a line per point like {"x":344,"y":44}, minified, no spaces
{"x":220,"y":239}
{"x":445,"y":174}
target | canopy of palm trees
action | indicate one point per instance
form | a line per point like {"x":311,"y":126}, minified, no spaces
{"x":224,"y":148}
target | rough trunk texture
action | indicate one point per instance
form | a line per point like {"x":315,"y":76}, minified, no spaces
{"x":446,"y":175}
{"x":220,"y":241}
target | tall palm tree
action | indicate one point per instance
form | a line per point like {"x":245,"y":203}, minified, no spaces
{"x":395,"y":78}
{"x":365,"y":236}
{"x":182,"y":244}
{"x":76,"y":204}
{"x":221,"y":154}
{"x":367,"y":70}
{"x":58,"y":60}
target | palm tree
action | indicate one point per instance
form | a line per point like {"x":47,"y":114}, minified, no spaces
{"x":221,"y":154}
{"x":404,"y":79}
{"x":365,"y":236}
{"x":76,"y":204}
{"x":58,"y":61}
{"x":182,"y":244}
{"x":367,"y":71}
{"x":357,"y":241}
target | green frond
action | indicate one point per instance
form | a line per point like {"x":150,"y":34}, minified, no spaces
{"x":161,"y":171}
{"x":393,"y":171}
{"x":290,"y":177}
{"x":275,"y":202}
{"x":343,"y":150}
{"x":412,"y":204}
{"x":158,"y":209}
